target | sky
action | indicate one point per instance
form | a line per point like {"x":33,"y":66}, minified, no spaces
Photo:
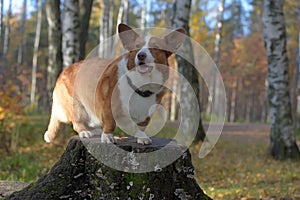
{"x":212,"y":5}
{"x":17,"y":6}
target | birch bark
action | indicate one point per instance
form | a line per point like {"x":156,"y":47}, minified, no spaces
{"x":22,"y":31}
{"x":71,"y":32}
{"x":213,"y":90}
{"x":55,"y":64}
{"x":282,"y":144}
{"x":181,"y":19}
{"x":6,"y":37}
{"x":1,"y":21}
{"x":35,"y":52}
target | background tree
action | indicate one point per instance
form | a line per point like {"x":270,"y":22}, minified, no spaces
{"x":22,"y":31}
{"x":6,"y":37}
{"x":104,"y":28}
{"x":283,"y":144}
{"x":36,"y":51}
{"x":181,"y":19}
{"x":71,"y":32}
{"x":292,"y":21}
{"x":85,"y":7}
{"x":216,"y":56}
{"x":55,"y":63}
{"x":1,"y":21}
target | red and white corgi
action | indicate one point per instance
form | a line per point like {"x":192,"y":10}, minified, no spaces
{"x":104,"y":93}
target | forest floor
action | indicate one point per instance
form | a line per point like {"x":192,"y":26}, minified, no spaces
{"x":239,"y":166}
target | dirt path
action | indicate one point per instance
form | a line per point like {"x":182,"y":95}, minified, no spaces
{"x":246,"y":128}
{"x":246,"y":131}
{"x":249,"y":130}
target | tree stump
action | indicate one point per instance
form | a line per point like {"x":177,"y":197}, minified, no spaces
{"x":79,"y":175}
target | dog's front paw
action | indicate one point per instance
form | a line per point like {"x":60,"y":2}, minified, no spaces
{"x":85,"y":134}
{"x":89,"y":134}
{"x":107,"y":138}
{"x":145,"y":140}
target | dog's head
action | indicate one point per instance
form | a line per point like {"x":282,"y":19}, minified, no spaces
{"x":147,"y":53}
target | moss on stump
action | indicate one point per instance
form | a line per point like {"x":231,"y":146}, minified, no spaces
{"x":79,"y":175}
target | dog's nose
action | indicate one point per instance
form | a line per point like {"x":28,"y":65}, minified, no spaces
{"x":142,"y":56}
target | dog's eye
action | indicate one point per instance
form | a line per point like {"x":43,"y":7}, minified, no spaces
{"x":138,"y":46}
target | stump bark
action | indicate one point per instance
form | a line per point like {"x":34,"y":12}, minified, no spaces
{"x":79,"y":175}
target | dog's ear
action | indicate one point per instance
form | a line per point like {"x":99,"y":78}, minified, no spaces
{"x":127,"y":36}
{"x":174,"y":40}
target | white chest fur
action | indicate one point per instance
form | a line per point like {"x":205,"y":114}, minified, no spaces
{"x":133,"y":105}
{"x":139,"y":107}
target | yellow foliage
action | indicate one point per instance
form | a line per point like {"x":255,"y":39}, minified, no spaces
{"x":11,"y":114}
{"x":2,"y":115}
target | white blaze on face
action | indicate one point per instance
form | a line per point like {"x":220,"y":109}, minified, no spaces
{"x":147,"y":64}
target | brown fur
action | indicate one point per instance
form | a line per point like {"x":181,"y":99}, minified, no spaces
{"x":86,"y":88}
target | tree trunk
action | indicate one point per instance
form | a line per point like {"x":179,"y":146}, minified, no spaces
{"x":233,"y":99}
{"x":143,"y":15}
{"x":295,"y":89}
{"x":103,"y":31}
{"x":111,"y":27}
{"x":213,"y":89}
{"x":1,"y":21}
{"x":35,"y":52}
{"x":181,"y":19}
{"x":265,"y":108}
{"x":79,"y":175}
{"x":71,"y":32}
{"x":85,"y":13}
{"x":120,"y":14}
{"x":175,"y":95}
{"x":22,"y":31}
{"x":119,"y":20}
{"x":6,"y":38}
{"x":55,"y":63}
{"x":126,"y":11}
{"x":283,"y":144}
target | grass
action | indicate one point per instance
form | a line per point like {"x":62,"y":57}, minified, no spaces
{"x":238,"y":166}
{"x":33,"y":157}
{"x":241,"y":167}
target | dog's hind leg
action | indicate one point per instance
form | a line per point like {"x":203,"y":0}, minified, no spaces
{"x":58,"y":117}
{"x":84,"y":123}
{"x":53,"y":128}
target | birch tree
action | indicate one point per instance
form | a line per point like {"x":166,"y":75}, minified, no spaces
{"x":181,"y":18}
{"x":283,"y":144}
{"x":294,"y":90}
{"x":55,"y":64}
{"x":35,"y":52}
{"x":22,"y":31}
{"x":216,"y":57}
{"x":103,"y":29}
{"x":1,"y":20}
{"x":71,"y":32}
{"x":120,"y":14}
{"x":143,"y":15}
{"x":6,"y":37}
{"x":126,"y":11}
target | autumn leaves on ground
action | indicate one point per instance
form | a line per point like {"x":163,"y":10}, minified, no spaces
{"x":238,"y":167}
